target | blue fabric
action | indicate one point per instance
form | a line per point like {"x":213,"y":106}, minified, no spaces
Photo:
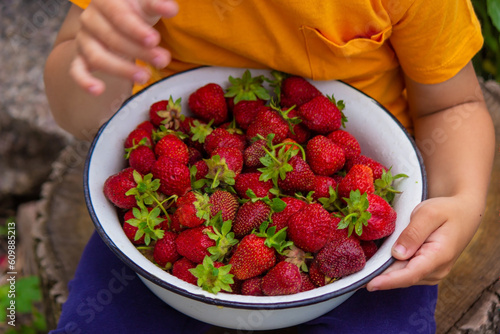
{"x":107,"y":297}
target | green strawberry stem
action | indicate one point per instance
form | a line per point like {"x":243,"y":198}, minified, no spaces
{"x":211,"y":278}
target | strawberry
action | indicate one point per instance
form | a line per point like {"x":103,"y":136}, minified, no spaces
{"x":208,"y":103}
{"x":246,"y":181}
{"x":223,"y":138}
{"x":369,"y":248}
{"x":130,"y":230}
{"x":322,"y":185}
{"x":173,"y":147}
{"x":180,"y":269}
{"x":194,"y":155}
{"x":382,"y":222}
{"x":201,"y":169}
{"x":320,"y":115}
{"x":268,"y":121}
{"x":377,"y":167}
{"x":137,"y":136}
{"x":300,"y":178}
{"x":193,"y":243}
{"x":252,"y":257}
{"x":298,"y":132}
{"x":253,"y":153}
{"x":245,"y":111}
{"x":252,"y":287}
{"x":359,"y":177}
{"x":310,"y":228}
{"x":341,"y":257}
{"x":317,"y":277}
{"x":347,"y":142}
{"x":324,"y":156}
{"x":249,"y":216}
{"x":147,"y":222}
{"x":224,"y":202}
{"x":295,"y":91}
{"x":165,"y":252}
{"x":192,"y":209}
{"x":166,"y":113}
{"x":142,"y":158}
{"x":307,"y":283}
{"x":233,"y":157}
{"x":280,"y":219}
{"x":283,"y":279}
{"x":173,"y":176}
{"x":146,"y":125}
{"x":117,"y":185}
{"x":246,"y":88}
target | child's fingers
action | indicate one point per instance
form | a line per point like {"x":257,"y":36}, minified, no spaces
{"x":82,"y":76}
{"x":98,"y":58}
{"x":163,"y":8}
{"x":425,"y":219}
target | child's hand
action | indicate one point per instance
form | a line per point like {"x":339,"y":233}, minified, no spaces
{"x":439,"y":230}
{"x":112,"y":34}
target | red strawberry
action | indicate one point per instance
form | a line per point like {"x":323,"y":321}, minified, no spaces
{"x":232,"y":156}
{"x":359,"y":177}
{"x":301,"y":178}
{"x":208,"y":103}
{"x":253,"y":153}
{"x":224,"y":201}
{"x":136,"y":136}
{"x":130,"y":230}
{"x":317,"y":277}
{"x":296,"y":91}
{"x":307,"y":283}
{"x":193,"y":211}
{"x":251,"y":257}
{"x":283,"y":279}
{"x":146,"y":125}
{"x":173,"y":175}
{"x":310,"y":228}
{"x":299,"y":132}
{"x":173,"y":147}
{"x":193,"y":243}
{"x":117,"y":185}
{"x":245,"y":111}
{"x":165,"y":252}
{"x":322,"y":186}
{"x":324,"y":156}
{"x":201,"y":169}
{"x":347,"y":141}
{"x":194,"y":155}
{"x":280,"y":219}
{"x":376,"y":166}
{"x":321,"y":115}
{"x":341,"y":257}
{"x":267,"y":121}
{"x":166,"y":113}
{"x":181,"y":268}
{"x":223,"y":138}
{"x":249,"y":216}
{"x":142,"y":158}
{"x":251,"y":181}
{"x":252,"y":287}
{"x":369,"y":248}
{"x":382,"y":222}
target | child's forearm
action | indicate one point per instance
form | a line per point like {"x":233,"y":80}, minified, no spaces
{"x":74,"y":109}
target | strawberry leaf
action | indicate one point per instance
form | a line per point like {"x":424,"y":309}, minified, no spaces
{"x":211,"y":278}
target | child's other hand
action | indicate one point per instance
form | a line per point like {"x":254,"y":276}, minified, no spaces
{"x":426,"y":250}
{"x":112,"y":34}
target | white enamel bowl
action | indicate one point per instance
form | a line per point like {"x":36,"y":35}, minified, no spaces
{"x":381,"y":137}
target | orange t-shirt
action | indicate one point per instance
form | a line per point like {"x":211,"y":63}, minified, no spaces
{"x":368,"y":44}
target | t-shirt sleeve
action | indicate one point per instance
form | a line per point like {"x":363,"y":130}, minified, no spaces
{"x":434,"y":40}
{"x":81,"y":3}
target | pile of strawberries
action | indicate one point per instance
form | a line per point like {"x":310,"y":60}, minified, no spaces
{"x":259,"y":193}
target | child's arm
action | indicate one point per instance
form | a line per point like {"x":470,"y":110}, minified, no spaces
{"x":96,"y":49}
{"x":456,"y":137}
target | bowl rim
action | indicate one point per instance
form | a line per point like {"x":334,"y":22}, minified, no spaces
{"x":214,"y":301}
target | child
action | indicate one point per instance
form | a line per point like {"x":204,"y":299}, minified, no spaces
{"x":411,"y":55}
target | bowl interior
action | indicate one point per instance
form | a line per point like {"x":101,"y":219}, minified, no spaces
{"x":380,"y":135}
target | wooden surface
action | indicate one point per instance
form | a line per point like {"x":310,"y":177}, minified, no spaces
{"x":478,"y":268}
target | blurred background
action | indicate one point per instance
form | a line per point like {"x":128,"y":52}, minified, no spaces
{"x":41,"y":195}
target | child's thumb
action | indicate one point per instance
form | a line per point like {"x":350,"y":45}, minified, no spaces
{"x":418,"y":230}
